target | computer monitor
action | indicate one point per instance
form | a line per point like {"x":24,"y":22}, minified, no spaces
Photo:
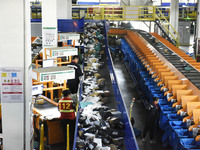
{"x":37,"y":89}
{"x":48,"y":63}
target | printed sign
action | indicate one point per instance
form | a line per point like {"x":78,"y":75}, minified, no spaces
{"x":12,"y":85}
{"x":57,"y":76}
{"x":67,"y":52}
{"x":37,"y":89}
{"x":49,"y":36}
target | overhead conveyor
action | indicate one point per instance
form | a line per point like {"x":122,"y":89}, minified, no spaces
{"x":164,"y":71}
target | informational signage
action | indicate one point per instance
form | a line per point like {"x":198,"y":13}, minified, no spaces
{"x":12,"y":90}
{"x":37,"y":89}
{"x":48,"y":63}
{"x":157,"y":2}
{"x":67,"y":52}
{"x":49,"y":36}
{"x":57,"y":76}
{"x":68,"y":36}
{"x":61,"y":52}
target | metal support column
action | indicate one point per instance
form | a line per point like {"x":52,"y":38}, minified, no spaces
{"x":15,"y":60}
{"x":174,"y":15}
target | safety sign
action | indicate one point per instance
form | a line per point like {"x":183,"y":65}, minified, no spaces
{"x":12,"y":90}
{"x":49,"y":36}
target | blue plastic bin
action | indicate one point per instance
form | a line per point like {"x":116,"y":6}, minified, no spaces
{"x":180,"y":133}
{"x":174,"y":117}
{"x":189,"y":143}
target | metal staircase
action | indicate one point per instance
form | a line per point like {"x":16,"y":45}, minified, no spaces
{"x":167,"y":29}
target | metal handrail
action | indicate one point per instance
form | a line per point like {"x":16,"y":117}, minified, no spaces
{"x":177,"y":39}
{"x":142,"y":13}
{"x":189,"y":13}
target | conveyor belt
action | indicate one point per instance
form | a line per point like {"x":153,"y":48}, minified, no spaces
{"x":193,"y":75}
{"x":47,"y":110}
{"x":44,"y":106}
{"x":115,"y":99}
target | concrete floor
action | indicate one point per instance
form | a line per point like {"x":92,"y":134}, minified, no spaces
{"x":128,"y":91}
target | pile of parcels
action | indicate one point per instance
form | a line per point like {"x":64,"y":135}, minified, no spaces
{"x":99,"y":127}
{"x":94,"y":39}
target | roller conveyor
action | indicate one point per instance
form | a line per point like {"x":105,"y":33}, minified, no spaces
{"x":44,"y":106}
{"x":48,"y":109}
{"x":173,"y":59}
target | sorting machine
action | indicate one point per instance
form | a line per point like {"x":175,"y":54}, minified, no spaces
{"x":164,"y":71}
{"x":47,"y":113}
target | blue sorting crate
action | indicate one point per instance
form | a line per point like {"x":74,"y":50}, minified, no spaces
{"x":169,"y":134}
{"x":174,"y":117}
{"x":163,"y":102}
{"x":164,"y":119}
{"x":173,"y":125}
{"x":167,"y":108}
{"x":188,"y":143}
{"x":180,"y":133}
{"x":177,"y":124}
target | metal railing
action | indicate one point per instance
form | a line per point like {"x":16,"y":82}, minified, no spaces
{"x":113,"y":12}
{"x":128,"y":13}
{"x":168,"y":28}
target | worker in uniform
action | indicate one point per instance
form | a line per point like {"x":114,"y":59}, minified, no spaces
{"x":73,"y":83}
{"x":67,"y":115}
{"x":151,"y":120}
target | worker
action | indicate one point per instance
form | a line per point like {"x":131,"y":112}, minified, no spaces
{"x":73,"y":83}
{"x":67,"y":115}
{"x":151,"y":120}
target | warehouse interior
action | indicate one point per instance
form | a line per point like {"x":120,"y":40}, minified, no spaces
{"x":100,"y":75}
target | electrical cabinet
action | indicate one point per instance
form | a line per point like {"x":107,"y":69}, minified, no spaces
{"x":184,"y":32}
